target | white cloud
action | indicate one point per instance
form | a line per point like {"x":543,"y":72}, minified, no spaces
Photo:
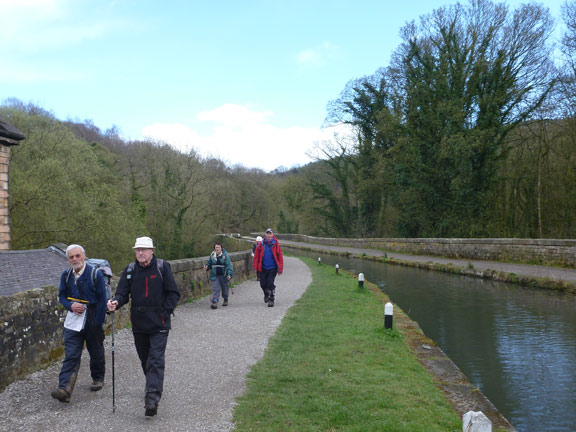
{"x":318,"y":56}
{"x":230,"y":114}
{"x":242,"y":136}
{"x":309,"y":57}
{"x":36,"y":35}
{"x":20,"y":73}
{"x":33,"y":25}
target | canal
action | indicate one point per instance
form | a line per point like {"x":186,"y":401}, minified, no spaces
{"x":517,"y":345}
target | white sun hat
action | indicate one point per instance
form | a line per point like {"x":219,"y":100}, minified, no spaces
{"x":144,"y":243}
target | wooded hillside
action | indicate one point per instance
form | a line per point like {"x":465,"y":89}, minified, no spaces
{"x":469,"y":132}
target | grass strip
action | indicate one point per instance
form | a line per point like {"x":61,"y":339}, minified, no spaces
{"x":331,"y":366}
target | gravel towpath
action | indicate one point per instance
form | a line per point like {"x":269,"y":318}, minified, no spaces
{"x":208,"y":356}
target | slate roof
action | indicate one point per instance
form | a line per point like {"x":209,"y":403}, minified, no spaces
{"x":23,"y":270}
{"x":9,"y":132}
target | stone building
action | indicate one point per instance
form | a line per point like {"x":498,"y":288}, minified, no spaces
{"x":9,"y":136}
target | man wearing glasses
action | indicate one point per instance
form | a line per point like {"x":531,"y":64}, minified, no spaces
{"x":150,"y":283}
{"x":84,"y":297}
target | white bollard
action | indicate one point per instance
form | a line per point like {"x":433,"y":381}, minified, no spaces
{"x":360,"y":280}
{"x":319,"y":260}
{"x":337,"y":267}
{"x":388,"y":315}
{"x":476,"y":421}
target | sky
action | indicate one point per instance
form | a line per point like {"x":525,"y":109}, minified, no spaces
{"x":247,"y":81}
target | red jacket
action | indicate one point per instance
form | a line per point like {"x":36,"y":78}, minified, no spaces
{"x":276,"y":252}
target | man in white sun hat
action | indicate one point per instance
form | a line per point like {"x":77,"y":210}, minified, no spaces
{"x":151,"y":285}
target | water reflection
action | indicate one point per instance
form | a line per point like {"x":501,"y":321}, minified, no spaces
{"x":517,"y":345}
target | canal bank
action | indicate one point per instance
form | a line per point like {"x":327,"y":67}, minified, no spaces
{"x":462,"y":394}
{"x":337,"y":368}
{"x":521,"y":337}
{"x":456,"y":387}
{"x":536,"y":276}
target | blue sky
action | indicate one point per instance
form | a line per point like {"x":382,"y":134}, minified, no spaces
{"x":247,"y":81}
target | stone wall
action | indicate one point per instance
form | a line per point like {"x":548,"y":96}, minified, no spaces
{"x":531,"y":251}
{"x":31,"y":321}
{"x":4,"y":215}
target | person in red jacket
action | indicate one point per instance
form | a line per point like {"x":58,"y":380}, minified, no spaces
{"x":269,"y":262}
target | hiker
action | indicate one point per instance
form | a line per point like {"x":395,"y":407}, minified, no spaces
{"x":150,"y":283}
{"x":268,"y":261}
{"x":221,"y":271}
{"x":254,"y":246}
{"x":82,"y":292}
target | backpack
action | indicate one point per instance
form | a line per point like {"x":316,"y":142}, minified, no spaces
{"x":101,"y":265}
{"x":104,"y":267}
{"x":130,"y":269}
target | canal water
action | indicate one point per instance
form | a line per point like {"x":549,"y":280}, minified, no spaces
{"x":517,"y":345}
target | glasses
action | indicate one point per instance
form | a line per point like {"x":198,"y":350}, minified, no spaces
{"x":141,"y":250}
{"x":74,"y":256}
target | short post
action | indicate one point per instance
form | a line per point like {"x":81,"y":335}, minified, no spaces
{"x":337,"y":267}
{"x":360,"y":280}
{"x":476,"y":421}
{"x":388,"y":315}
{"x":319,"y":260}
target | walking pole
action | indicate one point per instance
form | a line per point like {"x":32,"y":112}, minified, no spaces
{"x":113,"y":383}
{"x":230,"y":284}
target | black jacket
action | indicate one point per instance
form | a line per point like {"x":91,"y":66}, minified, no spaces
{"x":154,"y":295}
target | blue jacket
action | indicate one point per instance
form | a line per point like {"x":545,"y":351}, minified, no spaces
{"x":84,"y":289}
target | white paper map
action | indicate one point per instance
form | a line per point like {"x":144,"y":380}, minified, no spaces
{"x":74,"y":321}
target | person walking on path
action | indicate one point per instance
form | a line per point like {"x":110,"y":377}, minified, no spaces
{"x":254,"y":246}
{"x":268,"y":260}
{"x":82,"y":292}
{"x":150,"y":283}
{"x":221,"y":271}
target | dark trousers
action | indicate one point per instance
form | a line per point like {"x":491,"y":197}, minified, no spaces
{"x":267,"y":277}
{"x":93,"y":335}
{"x":151,"y":349}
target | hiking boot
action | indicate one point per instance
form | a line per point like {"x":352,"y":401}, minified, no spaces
{"x":97,"y":385}
{"x":225,"y":302}
{"x":151,"y":409}
{"x":271,"y":303}
{"x":266,"y":298}
{"x":214,"y":306}
{"x":61,"y":395}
